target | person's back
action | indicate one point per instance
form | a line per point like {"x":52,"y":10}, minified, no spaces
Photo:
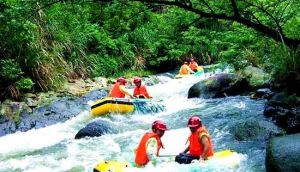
{"x":185,"y":69}
{"x":115,"y":91}
{"x":118,"y":90}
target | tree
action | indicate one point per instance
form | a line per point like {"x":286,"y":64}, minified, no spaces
{"x":270,"y":17}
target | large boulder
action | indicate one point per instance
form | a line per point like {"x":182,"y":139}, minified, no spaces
{"x":279,"y":109}
{"x":255,"y":130}
{"x":219,"y":85}
{"x":95,"y":129}
{"x":256,"y":77}
{"x":282,"y":154}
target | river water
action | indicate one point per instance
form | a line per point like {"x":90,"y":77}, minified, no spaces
{"x":54,"y":148}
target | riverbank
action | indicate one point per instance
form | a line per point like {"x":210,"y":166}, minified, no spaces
{"x":43,"y":109}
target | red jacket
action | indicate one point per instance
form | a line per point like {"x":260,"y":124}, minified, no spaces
{"x":141,"y":91}
{"x":141,"y":157}
{"x":196,"y":148}
{"x":116,"y":92}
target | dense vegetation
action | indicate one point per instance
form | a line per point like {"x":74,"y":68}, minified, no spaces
{"x":44,"y":43}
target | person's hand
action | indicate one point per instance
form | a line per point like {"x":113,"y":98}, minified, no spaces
{"x":131,"y":96}
{"x":203,"y":158}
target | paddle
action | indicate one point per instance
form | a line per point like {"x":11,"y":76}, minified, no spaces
{"x":166,"y":155}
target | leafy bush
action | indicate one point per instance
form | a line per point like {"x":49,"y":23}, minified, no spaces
{"x":24,"y":84}
{"x":10,"y":70}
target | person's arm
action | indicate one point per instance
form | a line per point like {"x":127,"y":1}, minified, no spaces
{"x":151,"y":148}
{"x":204,"y":141}
{"x":124,"y":90}
{"x":186,"y":149}
{"x":189,"y":69}
{"x":109,"y":94}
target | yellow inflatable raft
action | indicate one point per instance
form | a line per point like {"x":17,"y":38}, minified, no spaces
{"x":225,"y":157}
{"x":110,"y":104}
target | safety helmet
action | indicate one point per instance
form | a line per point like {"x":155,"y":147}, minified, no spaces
{"x":160,"y":125}
{"x":194,"y":121}
{"x":137,"y":80}
{"x":121,"y":80}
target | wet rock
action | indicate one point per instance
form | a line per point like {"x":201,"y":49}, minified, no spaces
{"x":282,"y":154}
{"x":288,"y":119}
{"x":220,"y":85}
{"x":256,"y":77}
{"x":58,"y":111}
{"x":95,"y":129}
{"x":278,"y":100}
{"x":255,"y":130}
{"x":264,"y":93}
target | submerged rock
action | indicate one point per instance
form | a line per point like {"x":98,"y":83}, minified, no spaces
{"x":255,"y":130}
{"x":95,"y":129}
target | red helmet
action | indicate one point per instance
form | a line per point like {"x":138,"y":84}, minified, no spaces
{"x":160,"y":125}
{"x":137,"y":80}
{"x":194,"y":121}
{"x":121,"y":80}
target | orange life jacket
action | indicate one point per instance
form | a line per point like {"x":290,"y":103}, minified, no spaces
{"x":184,"y":70}
{"x":116,"y":92}
{"x":193,"y":65}
{"x":196,"y":148}
{"x":141,"y":157}
{"x":141,"y":90}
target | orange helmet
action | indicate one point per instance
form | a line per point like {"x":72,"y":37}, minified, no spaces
{"x":137,"y":80}
{"x":159,"y":125}
{"x":194,"y":121}
{"x":121,"y":80}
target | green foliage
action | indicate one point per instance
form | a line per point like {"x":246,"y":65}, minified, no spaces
{"x":103,"y":66}
{"x":43,"y":48}
{"x":9,"y":69}
{"x":24,"y":84}
{"x":283,"y":60}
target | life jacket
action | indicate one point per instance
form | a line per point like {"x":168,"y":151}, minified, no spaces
{"x":184,"y":70}
{"x":196,"y":148}
{"x":116,"y":92}
{"x":193,"y":65}
{"x":141,"y":157}
{"x":141,"y":90}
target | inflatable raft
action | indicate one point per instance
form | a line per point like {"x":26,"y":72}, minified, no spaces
{"x":225,"y":158}
{"x":110,"y":104}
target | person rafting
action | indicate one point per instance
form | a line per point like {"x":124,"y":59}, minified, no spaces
{"x":185,"y":69}
{"x":140,"y":91}
{"x":193,"y":65}
{"x":150,"y":144}
{"x":118,"y":90}
{"x":200,"y":144}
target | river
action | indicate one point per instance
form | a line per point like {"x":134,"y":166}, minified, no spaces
{"x":54,"y":148}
